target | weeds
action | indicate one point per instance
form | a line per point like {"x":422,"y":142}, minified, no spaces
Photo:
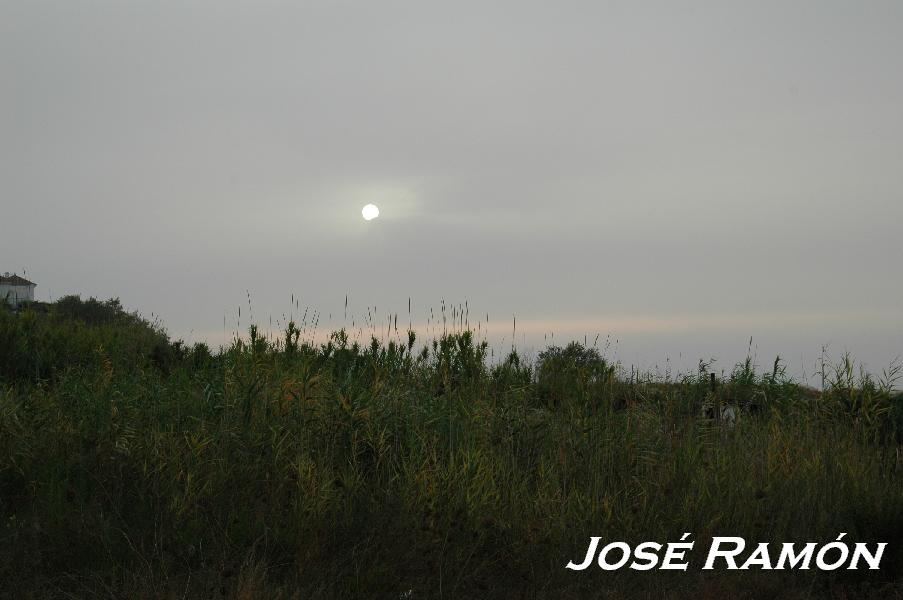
{"x":131,"y":466}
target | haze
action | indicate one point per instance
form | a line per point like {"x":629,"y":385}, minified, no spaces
{"x":679,"y":177}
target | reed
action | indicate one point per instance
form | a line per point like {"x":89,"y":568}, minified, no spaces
{"x":132,"y":466}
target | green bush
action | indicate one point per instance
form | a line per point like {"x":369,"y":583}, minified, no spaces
{"x":43,"y":340}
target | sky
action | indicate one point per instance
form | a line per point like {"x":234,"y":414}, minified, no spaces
{"x":675,"y":177}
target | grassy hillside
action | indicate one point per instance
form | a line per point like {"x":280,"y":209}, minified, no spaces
{"x":131,"y":466}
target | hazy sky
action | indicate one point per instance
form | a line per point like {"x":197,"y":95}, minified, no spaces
{"x":681,"y":176}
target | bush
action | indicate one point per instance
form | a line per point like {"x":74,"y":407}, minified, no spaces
{"x":41,"y":341}
{"x":573,"y":373}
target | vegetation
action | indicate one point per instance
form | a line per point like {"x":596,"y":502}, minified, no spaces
{"x":132,"y":466}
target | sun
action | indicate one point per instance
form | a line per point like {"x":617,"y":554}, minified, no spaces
{"x":370,"y":212}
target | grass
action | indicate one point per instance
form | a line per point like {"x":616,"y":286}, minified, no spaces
{"x":134,"y":467}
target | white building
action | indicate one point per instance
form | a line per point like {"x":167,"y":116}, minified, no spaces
{"x":15,"y":289}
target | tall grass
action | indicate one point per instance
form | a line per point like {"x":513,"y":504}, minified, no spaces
{"x":134,"y":467}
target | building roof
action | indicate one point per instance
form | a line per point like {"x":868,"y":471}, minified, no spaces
{"x":14,"y":279}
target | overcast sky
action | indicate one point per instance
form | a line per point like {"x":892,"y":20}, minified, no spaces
{"x":681,"y":176}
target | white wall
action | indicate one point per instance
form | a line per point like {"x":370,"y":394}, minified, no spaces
{"x":17,"y":293}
